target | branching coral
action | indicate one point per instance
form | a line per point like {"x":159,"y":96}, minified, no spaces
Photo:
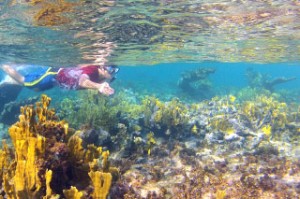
{"x":222,"y":124}
{"x":150,"y":142}
{"x":170,"y":116}
{"x":265,"y":110}
{"x":73,"y":193}
{"x":47,"y":161}
{"x":101,"y":182}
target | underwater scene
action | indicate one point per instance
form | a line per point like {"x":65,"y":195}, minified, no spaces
{"x":154,"y":99}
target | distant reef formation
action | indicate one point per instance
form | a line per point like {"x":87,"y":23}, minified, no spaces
{"x":11,"y":110}
{"x":8,"y":93}
{"x":196,"y":83}
{"x":258,"y":80}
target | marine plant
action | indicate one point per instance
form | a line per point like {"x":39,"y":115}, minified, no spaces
{"x":250,"y":93}
{"x":265,"y":110}
{"x":47,"y":161}
{"x":98,"y":111}
{"x":150,"y":142}
{"x":221,"y":124}
{"x":267,"y":130}
{"x":165,"y":116}
{"x":263,"y":114}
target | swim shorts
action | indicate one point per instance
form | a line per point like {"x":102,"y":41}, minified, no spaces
{"x":42,"y":78}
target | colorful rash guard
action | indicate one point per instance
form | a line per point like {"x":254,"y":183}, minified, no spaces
{"x":68,"y":78}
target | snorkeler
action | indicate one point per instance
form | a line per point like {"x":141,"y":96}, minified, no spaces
{"x":86,"y":76}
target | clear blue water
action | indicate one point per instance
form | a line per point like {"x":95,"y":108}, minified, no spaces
{"x":227,"y":74}
{"x":161,"y":80}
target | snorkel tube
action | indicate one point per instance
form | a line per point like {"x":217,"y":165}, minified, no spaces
{"x":112,"y":70}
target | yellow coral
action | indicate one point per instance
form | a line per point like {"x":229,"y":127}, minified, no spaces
{"x":170,"y":114}
{"x":4,"y":158}
{"x":220,"y":194}
{"x":137,"y":128}
{"x":105,"y":162}
{"x":221,"y":123}
{"x":194,"y":129}
{"x":267,"y":130}
{"x":73,"y":193}
{"x":25,"y":176}
{"x":101,"y":182}
{"x":27,"y":149}
{"x":150,"y":142}
{"x":49,"y":193}
{"x":80,"y":154}
{"x":248,"y":108}
{"x":232,"y":98}
{"x":92,"y":153}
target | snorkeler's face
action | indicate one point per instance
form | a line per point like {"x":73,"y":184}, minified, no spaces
{"x":104,"y":73}
{"x":108,"y":72}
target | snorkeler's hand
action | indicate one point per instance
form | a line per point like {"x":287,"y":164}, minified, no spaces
{"x":105,"y":89}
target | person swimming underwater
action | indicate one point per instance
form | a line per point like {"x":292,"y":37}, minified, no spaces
{"x":88,"y":76}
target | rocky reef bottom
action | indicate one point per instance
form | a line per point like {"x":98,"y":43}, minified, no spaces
{"x":192,"y":170}
{"x":226,"y":147}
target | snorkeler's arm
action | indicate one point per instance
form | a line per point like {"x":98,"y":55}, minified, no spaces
{"x":103,"y":88}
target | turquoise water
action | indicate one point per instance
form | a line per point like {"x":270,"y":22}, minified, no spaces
{"x":227,"y":74}
{"x":162,"y":79}
{"x":206,"y":101}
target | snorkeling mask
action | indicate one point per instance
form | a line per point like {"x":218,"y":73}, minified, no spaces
{"x":112,"y":70}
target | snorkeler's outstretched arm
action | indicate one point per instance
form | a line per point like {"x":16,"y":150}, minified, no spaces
{"x":104,"y":88}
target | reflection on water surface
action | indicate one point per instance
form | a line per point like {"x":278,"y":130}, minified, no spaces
{"x":149,"y":32}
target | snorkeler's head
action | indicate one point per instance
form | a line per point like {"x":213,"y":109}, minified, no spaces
{"x":112,"y":70}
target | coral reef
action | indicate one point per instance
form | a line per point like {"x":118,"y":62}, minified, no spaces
{"x":231,"y":148}
{"x":49,"y":162}
{"x":12,"y":109}
{"x":92,"y":111}
{"x":234,"y":149}
{"x":167,"y":118}
{"x":9,"y":93}
{"x":196,"y":83}
{"x":226,"y":147}
{"x":258,"y":80}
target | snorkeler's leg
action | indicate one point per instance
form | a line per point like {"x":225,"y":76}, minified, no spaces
{"x":9,"y":70}
{"x":9,"y":86}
